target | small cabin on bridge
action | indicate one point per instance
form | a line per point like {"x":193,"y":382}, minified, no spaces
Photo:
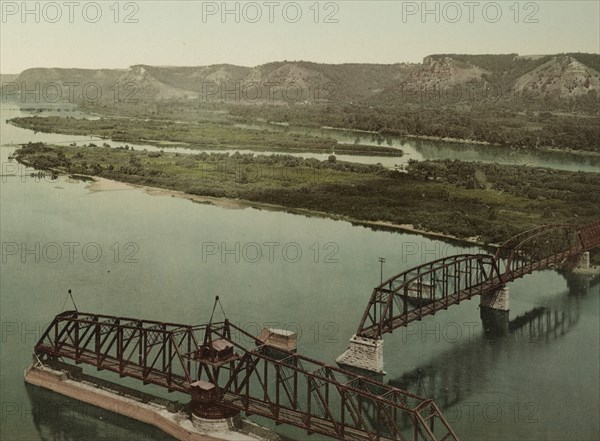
{"x":217,"y":351}
{"x":278,"y":338}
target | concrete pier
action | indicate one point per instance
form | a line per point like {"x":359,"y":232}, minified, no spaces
{"x":363,"y":353}
{"x":584,"y":261}
{"x":494,"y":322}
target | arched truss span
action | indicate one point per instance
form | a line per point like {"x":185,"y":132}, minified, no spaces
{"x":436,"y":285}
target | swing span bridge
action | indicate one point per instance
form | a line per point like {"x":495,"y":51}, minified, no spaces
{"x":225,"y":370}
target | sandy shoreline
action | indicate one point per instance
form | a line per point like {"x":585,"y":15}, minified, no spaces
{"x":103,"y":184}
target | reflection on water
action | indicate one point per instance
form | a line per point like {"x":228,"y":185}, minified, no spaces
{"x":444,"y":378}
{"x":453,"y":378}
{"x":448,"y":379}
{"x":458,"y":378}
{"x":58,"y":418}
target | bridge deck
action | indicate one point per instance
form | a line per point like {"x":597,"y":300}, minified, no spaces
{"x":298,"y":419}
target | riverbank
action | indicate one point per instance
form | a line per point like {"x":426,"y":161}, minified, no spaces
{"x":565,"y":150}
{"x":530,"y":130}
{"x":310,"y":123}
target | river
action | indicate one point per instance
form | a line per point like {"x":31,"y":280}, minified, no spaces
{"x":423,"y":149}
{"x":127,"y":252}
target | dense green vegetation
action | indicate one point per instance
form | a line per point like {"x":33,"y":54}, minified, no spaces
{"x":203,"y":135}
{"x":491,"y":202}
{"x":499,"y":124}
{"x":513,"y":129}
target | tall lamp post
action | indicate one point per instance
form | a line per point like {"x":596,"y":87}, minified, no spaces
{"x":381,"y":261}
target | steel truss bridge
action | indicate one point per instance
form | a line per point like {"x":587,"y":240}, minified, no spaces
{"x":436,"y":285}
{"x":227,"y":371}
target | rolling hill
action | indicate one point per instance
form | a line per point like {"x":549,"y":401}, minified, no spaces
{"x":562,"y":77}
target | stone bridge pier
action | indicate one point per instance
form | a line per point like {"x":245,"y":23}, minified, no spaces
{"x":583,"y":265}
{"x":364,"y":353}
{"x":494,"y":310}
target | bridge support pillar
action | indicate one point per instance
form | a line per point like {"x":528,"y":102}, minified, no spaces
{"x":584,"y":262}
{"x":494,"y":322}
{"x":363,"y":353}
{"x":494,"y":312}
{"x":497,"y":300}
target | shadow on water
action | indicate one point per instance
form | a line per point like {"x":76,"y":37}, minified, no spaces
{"x":449,"y":378}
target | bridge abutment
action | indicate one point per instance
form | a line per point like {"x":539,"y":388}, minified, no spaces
{"x":212,"y":424}
{"x":364,"y":353}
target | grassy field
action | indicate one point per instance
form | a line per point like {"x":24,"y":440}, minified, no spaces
{"x":487,"y":201}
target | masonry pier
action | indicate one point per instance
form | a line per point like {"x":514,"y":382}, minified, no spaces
{"x":363,"y":353}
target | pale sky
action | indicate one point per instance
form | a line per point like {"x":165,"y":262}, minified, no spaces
{"x":191,"y":33}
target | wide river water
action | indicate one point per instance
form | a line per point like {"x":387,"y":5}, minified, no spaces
{"x":139,"y":255}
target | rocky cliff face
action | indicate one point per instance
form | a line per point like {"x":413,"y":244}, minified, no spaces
{"x":444,"y":72}
{"x":560,"y":77}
